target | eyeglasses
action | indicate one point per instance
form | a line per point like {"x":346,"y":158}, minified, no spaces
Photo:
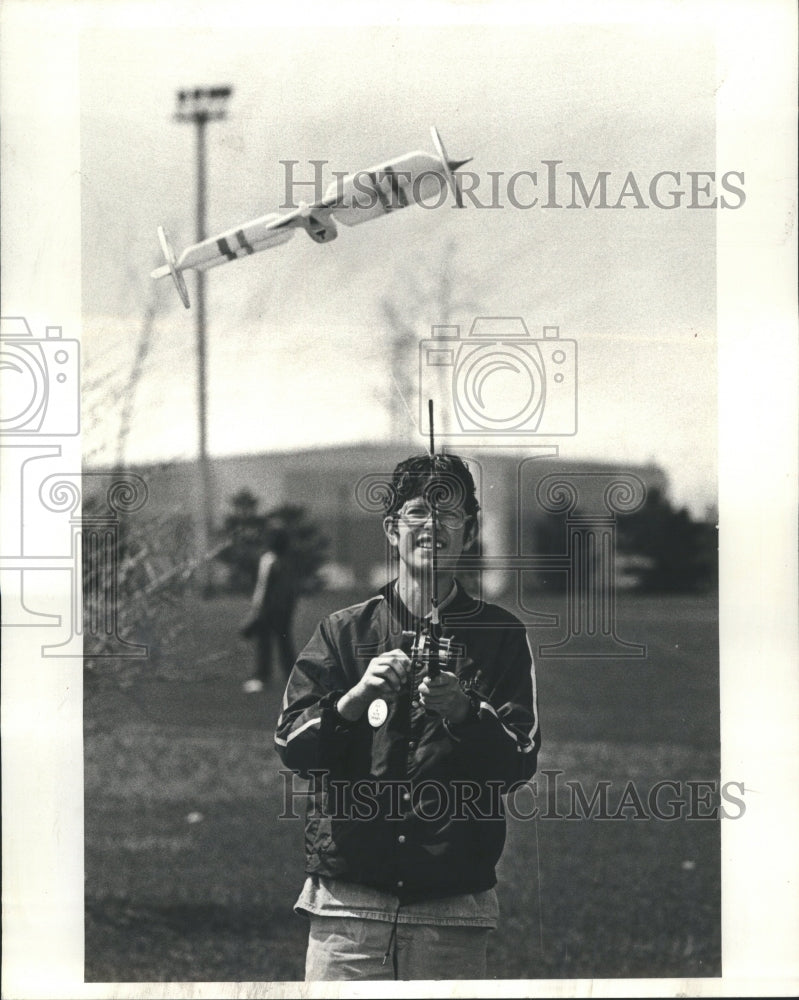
{"x":417,"y":512}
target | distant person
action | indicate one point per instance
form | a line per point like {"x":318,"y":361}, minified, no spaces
{"x":405,"y":821}
{"x":270,"y":620}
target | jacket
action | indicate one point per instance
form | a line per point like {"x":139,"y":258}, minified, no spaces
{"x":273,"y":599}
{"x":411,"y":804}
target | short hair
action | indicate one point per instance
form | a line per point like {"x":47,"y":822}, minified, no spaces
{"x":278,"y":540}
{"x":444,"y":480}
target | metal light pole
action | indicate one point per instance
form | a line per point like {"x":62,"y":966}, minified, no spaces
{"x":200,"y":106}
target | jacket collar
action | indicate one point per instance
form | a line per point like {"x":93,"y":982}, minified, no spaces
{"x":459,"y":602}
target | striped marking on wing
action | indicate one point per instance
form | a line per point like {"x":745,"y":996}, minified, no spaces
{"x":397,"y":188}
{"x":385,"y":204}
{"x":244,"y":243}
{"x":224,"y":249}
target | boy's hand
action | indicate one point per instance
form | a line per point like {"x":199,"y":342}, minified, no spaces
{"x":383,"y":678}
{"x":444,"y":695}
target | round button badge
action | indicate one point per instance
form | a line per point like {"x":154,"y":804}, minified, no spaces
{"x":378,"y":713}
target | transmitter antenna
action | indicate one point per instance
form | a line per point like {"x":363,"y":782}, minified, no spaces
{"x":434,"y":536}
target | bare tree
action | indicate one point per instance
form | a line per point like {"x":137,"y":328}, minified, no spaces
{"x":422,"y":298}
{"x":142,"y":350}
{"x":140,"y":574}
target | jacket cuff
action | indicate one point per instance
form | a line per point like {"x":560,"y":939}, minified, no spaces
{"x":337,"y":723}
{"x":457,"y":730}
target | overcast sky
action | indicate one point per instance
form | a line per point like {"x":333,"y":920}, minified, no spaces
{"x":298,"y":345}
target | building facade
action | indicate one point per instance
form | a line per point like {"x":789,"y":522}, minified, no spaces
{"x":527,"y":502}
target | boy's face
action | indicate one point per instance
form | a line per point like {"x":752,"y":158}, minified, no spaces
{"x":410,"y":532}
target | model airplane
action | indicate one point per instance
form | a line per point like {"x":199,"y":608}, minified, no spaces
{"x":352,"y":200}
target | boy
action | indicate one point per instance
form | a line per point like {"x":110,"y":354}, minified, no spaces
{"x":271,"y":612}
{"x":405,"y":820}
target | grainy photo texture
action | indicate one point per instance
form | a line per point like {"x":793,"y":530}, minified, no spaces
{"x":368,"y":486}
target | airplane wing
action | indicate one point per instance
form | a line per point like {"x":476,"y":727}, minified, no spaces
{"x":356,"y":198}
{"x":260,"y":234}
{"x":408,"y":180}
{"x":388,"y":187}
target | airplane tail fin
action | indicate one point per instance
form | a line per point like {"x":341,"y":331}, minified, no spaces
{"x":448,"y":166}
{"x":171,"y":268}
{"x":457,"y":164}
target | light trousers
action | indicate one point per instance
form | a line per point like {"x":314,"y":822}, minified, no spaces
{"x":349,"y":948}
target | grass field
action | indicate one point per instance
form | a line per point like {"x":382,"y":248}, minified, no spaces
{"x":191,"y":877}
